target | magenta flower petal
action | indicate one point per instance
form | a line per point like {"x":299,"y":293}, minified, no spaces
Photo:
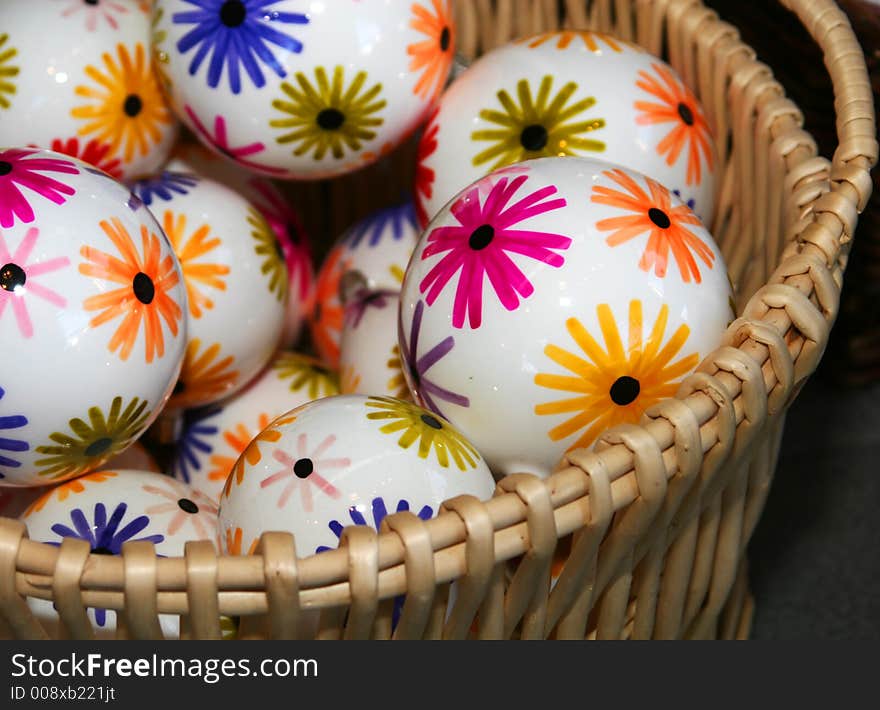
{"x":478,"y":248}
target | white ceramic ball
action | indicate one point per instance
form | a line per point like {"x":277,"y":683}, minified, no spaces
{"x":92,"y":317}
{"x":567,"y":94}
{"x":372,"y":255}
{"x":78,"y":78}
{"x":281,"y":216}
{"x":236,"y":281}
{"x":347,"y":460}
{"x":555,"y":299}
{"x":213,"y":438}
{"x":110,"y":508}
{"x":304,"y":90}
{"x":369,"y":355}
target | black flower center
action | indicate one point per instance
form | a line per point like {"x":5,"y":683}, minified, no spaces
{"x":99,"y":446}
{"x":445,"y":39}
{"x":91,"y":2}
{"x":534,"y":137}
{"x":686,"y":114}
{"x":180,"y":387}
{"x":5,"y":167}
{"x":11,"y":277}
{"x":659,"y":217}
{"x":625,"y":390}
{"x":187,"y":506}
{"x":101,"y":550}
{"x":481,"y":237}
{"x":303,"y":468}
{"x":279,"y":250}
{"x":143,"y":288}
{"x":293,"y":234}
{"x":331,"y":119}
{"x":431,"y":421}
{"x":133,"y":105}
{"x":233,"y":13}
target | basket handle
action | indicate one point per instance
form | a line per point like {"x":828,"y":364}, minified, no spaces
{"x":856,"y":153}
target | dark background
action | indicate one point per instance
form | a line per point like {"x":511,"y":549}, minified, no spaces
{"x":815,"y":557}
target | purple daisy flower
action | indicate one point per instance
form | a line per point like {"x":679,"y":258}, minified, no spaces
{"x":363,"y":300}
{"x":379,"y":512}
{"x":417,"y":367}
{"x":399,"y":219}
{"x":237,"y":33}
{"x":105,"y":535}
{"x":164,"y":186}
{"x":8,"y":422}
{"x":195,"y":439}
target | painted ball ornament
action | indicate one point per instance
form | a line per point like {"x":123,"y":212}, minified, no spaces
{"x":77,"y":77}
{"x":563,"y":94}
{"x":93,"y":316}
{"x":284,"y":220}
{"x":214,"y":437}
{"x":302,"y":90}
{"x":554,"y":299}
{"x":235,"y":276}
{"x":342,"y":461}
{"x":371,"y":255}
{"x":106,"y":510}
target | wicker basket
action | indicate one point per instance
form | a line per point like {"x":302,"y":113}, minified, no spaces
{"x":655,"y":520}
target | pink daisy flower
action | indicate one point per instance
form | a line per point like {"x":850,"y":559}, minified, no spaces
{"x":302,"y":472}
{"x":17,"y":170}
{"x":480,"y":247}
{"x":17,"y":280}
{"x":220,"y":140}
{"x":95,"y":11}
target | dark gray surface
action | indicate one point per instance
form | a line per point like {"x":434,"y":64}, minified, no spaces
{"x":815,"y":557}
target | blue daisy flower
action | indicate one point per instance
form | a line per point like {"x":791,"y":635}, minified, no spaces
{"x":691,"y":203}
{"x":104,"y":535}
{"x":163,"y":186}
{"x":8,"y":422}
{"x":194,"y":440}
{"x":379,"y":511}
{"x":236,"y":33}
{"x":399,"y":219}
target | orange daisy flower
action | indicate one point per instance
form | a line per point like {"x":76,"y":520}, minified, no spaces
{"x":679,"y":107}
{"x":65,"y":490}
{"x":327,"y":316}
{"x":653,"y":214}
{"x":432,"y":56}
{"x":252,"y":454}
{"x":203,"y":377}
{"x":233,"y":543}
{"x":126,"y":108}
{"x":143,"y":295}
{"x":188,"y":252}
{"x":237,"y":438}
{"x":564,"y":38}
{"x":615,"y":384}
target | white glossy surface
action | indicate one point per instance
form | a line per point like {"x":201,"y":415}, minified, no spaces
{"x":342,"y":461}
{"x":369,"y":356}
{"x":373,"y":255}
{"x":530,"y":314}
{"x":283,"y":219}
{"x":92,"y":318}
